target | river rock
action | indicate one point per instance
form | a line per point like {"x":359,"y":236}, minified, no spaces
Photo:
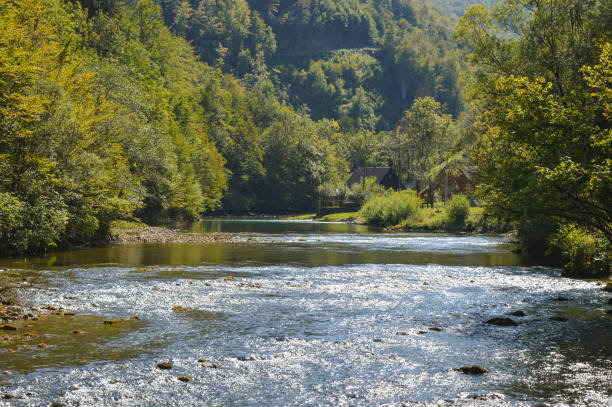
{"x":112,"y":321}
{"x":165,"y":365}
{"x":502,"y":321}
{"x":560,"y":299}
{"x":202,"y":360}
{"x":610,"y":301}
{"x":185,"y":379}
{"x":212,"y":365}
{"x":487,"y":396}
{"x":474,"y":370}
{"x":609,"y":312}
{"x":559,"y":319}
{"x":178,"y":308}
{"x":8,"y":327}
{"x":607,"y":288}
{"x":519,"y":313}
{"x":134,"y":317}
{"x":435,"y":328}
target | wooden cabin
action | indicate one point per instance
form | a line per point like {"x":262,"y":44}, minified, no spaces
{"x":384,"y":176}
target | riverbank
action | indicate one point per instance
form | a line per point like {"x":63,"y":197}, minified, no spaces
{"x":345,"y":217}
{"x":13,"y":307}
{"x":431,"y":220}
{"x":141,"y":233}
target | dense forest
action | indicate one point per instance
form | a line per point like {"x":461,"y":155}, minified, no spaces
{"x":170,"y":109}
{"x":541,"y":90}
{"x":118,"y":109}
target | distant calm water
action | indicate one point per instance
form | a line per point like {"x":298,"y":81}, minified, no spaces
{"x":305,"y":313}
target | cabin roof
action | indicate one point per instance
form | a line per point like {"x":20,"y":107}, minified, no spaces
{"x":378,"y":172}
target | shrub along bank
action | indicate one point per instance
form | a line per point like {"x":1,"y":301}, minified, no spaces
{"x":404,"y":211}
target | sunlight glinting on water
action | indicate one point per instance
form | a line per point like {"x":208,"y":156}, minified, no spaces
{"x":347,"y":334}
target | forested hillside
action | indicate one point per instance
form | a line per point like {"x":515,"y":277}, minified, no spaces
{"x":361,"y":62}
{"x":456,"y":8}
{"x":107,"y":115}
{"x":158,"y":110}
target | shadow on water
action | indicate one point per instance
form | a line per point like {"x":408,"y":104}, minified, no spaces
{"x":55,"y":341}
{"x":235,"y":254}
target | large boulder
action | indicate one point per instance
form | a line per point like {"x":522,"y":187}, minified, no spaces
{"x":502,"y":321}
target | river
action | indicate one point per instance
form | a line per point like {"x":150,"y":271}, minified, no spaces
{"x":307,"y":314}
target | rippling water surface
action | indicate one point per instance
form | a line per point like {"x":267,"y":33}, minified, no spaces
{"x":301,"y":313}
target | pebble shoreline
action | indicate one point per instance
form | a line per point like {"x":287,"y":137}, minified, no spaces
{"x":155,"y":234}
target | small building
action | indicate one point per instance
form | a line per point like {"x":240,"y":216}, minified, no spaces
{"x":449,"y":180}
{"x":384,"y":176}
{"x":455,"y":181}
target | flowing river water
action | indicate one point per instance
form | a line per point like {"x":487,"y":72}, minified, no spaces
{"x":308,"y":314}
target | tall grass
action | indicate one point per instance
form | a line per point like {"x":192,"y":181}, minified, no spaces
{"x":457,"y":210}
{"x":391,"y":208}
{"x":366,"y":189}
{"x":584,"y":254}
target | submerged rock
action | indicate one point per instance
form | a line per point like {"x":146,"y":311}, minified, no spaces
{"x":487,"y":396}
{"x":251,"y":285}
{"x":609,"y":312}
{"x":77,"y":332}
{"x":212,"y":365}
{"x":610,"y":301}
{"x":402,"y":333}
{"x":560,"y":299}
{"x":178,"y":308}
{"x":607,"y":288}
{"x":112,"y":321}
{"x":165,"y":365}
{"x":559,"y":319}
{"x":134,"y":317}
{"x":245,"y":358}
{"x":380,"y":340}
{"x":474,"y":370}
{"x":435,"y":328}
{"x":502,"y":321}
{"x":8,"y":327}
{"x":185,"y":379}
{"x":519,"y":313}
{"x":202,"y":360}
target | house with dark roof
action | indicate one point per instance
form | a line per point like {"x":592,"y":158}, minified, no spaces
{"x":384,"y":176}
